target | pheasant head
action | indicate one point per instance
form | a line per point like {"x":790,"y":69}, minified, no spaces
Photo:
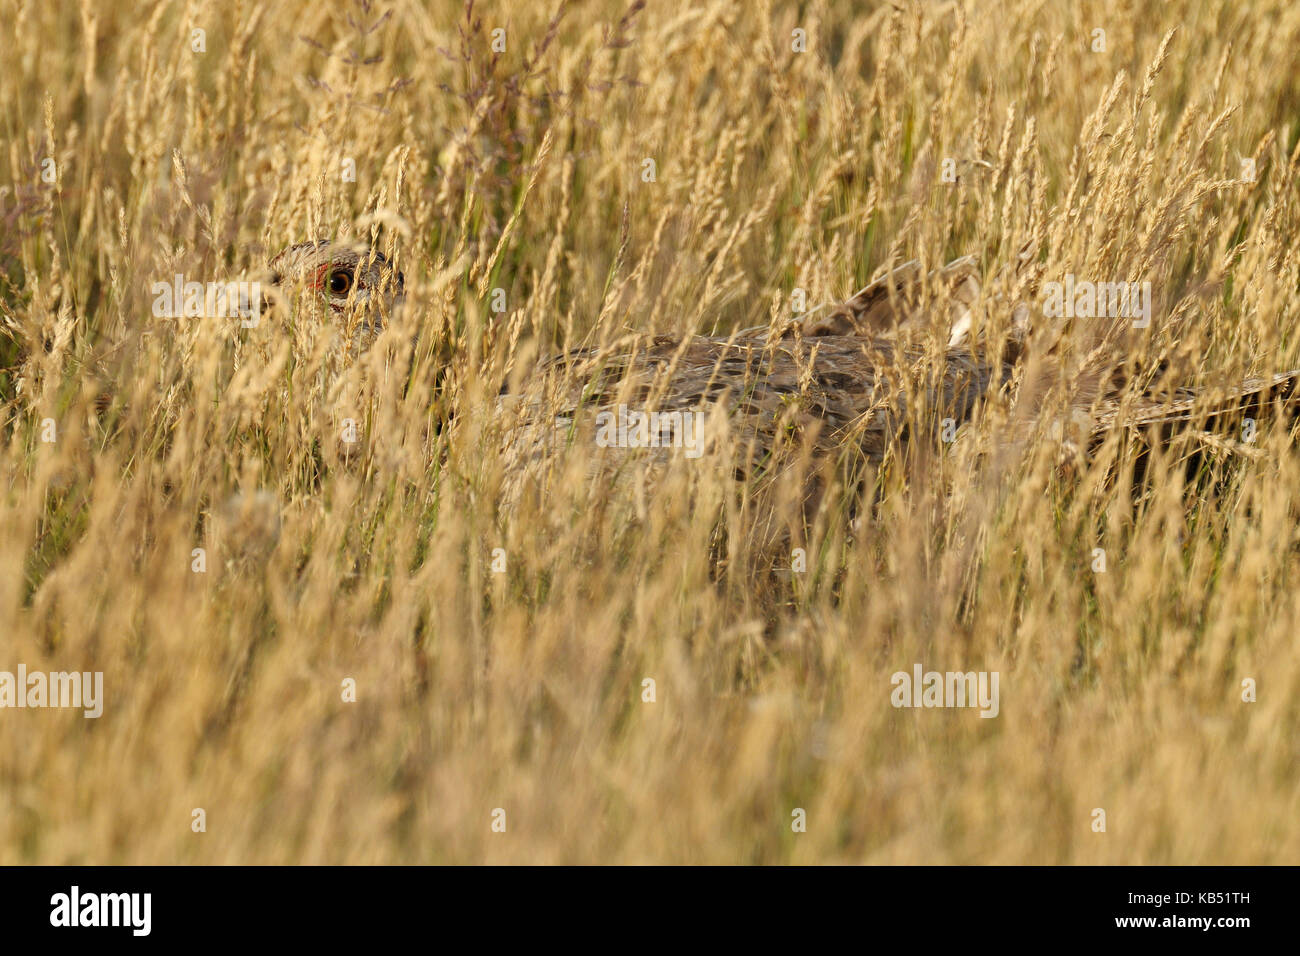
{"x":345,"y":279}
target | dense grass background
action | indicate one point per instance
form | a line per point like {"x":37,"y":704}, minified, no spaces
{"x":522,"y":171}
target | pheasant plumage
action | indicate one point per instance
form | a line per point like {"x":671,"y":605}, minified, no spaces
{"x":852,"y":380}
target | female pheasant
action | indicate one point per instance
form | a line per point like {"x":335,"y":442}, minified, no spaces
{"x":855,"y":380}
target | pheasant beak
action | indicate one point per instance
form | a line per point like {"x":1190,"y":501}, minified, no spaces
{"x":270,"y":296}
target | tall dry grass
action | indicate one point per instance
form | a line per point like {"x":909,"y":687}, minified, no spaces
{"x":522,"y":690}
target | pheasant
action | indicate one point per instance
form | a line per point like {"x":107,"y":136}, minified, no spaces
{"x":855,"y":379}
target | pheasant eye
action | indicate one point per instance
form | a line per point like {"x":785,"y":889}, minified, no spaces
{"x":340,"y":282}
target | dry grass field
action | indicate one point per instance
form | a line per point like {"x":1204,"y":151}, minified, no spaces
{"x":366,"y":651}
